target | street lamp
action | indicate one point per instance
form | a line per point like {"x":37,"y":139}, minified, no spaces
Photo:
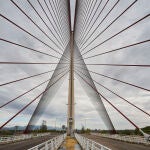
{"x":55,"y":122}
{"x":85,"y":121}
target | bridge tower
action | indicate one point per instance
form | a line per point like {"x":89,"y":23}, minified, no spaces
{"x":70,"y":119}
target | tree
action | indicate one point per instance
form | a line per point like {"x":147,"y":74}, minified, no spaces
{"x":43,"y":127}
{"x":82,"y":129}
{"x":88,"y":131}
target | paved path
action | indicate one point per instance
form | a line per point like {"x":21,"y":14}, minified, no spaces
{"x":70,"y":144}
{"x":24,"y":145}
{"x":117,"y":145}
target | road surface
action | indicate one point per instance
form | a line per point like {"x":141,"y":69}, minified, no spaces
{"x":117,"y":145}
{"x":24,"y":145}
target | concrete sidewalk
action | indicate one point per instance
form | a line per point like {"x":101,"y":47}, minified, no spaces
{"x":70,"y":144}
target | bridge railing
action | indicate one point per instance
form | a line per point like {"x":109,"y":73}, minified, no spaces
{"x":127,"y":138}
{"x":89,"y":144}
{"x":51,"y":144}
{"x":8,"y":139}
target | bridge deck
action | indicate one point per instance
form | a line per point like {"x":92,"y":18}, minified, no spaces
{"x":117,"y":145}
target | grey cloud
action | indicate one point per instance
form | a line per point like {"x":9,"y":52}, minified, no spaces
{"x":58,"y":108}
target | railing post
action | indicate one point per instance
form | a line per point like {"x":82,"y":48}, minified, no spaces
{"x":84,"y":143}
{"x":87,"y":144}
{"x":46,"y":146}
{"x":52,"y":145}
{"x":55,"y":143}
{"x":36,"y":148}
{"x":92,"y":145}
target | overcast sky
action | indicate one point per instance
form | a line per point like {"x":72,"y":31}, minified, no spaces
{"x":84,"y":109}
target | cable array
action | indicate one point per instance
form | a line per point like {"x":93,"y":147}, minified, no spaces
{"x":55,"y":28}
{"x":95,"y":49}
{"x":97,"y":26}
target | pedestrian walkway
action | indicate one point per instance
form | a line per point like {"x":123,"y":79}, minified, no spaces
{"x":70,"y":143}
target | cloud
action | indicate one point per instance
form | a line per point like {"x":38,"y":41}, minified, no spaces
{"x":84,"y":108}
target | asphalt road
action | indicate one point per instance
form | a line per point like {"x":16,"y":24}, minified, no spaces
{"x":117,"y":145}
{"x":24,"y":145}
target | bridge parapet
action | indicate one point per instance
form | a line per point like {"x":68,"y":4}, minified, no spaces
{"x":9,"y":139}
{"x":126,"y":138}
{"x":89,"y":144}
{"x":51,"y":144}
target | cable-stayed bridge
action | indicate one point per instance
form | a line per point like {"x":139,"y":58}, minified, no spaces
{"x":61,"y":58}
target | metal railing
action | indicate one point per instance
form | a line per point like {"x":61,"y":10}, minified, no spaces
{"x":126,"y":138}
{"x":88,"y":144}
{"x":51,"y":144}
{"x":8,"y":139}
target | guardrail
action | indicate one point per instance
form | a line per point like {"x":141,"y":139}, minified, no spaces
{"x":126,"y":138}
{"x":51,"y":144}
{"x":8,"y":139}
{"x":88,"y":144}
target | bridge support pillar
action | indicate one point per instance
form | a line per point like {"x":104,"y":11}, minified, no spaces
{"x":70,"y":120}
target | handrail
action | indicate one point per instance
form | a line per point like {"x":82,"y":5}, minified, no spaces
{"x":51,"y":144}
{"x":8,"y":139}
{"x":88,"y":144}
{"x":127,"y":138}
